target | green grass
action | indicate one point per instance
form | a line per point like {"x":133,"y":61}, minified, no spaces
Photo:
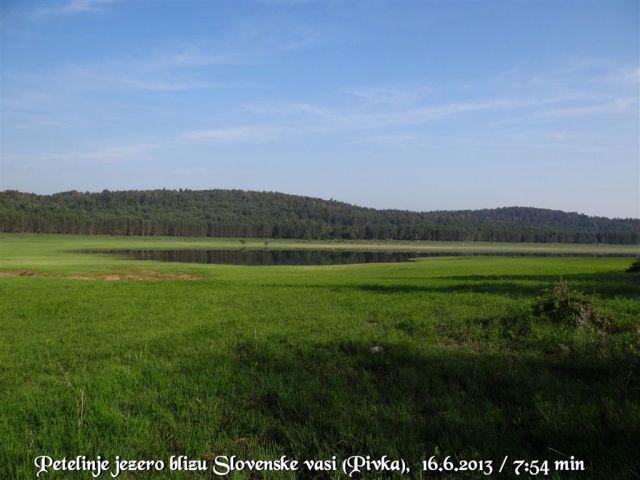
{"x":264,"y":361}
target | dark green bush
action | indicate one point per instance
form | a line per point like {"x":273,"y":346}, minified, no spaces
{"x":634,"y":267}
{"x":565,"y":306}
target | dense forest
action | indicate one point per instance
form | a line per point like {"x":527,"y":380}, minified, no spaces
{"x":237,"y":213}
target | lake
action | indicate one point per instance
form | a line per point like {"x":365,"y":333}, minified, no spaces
{"x":310,"y":257}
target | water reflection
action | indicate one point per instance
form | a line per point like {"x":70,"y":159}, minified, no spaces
{"x":310,"y":257}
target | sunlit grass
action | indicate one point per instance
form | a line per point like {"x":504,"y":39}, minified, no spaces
{"x":263,"y":361}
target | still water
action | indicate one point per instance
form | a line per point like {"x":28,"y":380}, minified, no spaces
{"x":308,"y":257}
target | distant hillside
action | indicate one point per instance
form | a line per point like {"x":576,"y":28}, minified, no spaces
{"x":276,"y":215}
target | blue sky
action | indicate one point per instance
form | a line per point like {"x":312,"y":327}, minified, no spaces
{"x":418,"y":105}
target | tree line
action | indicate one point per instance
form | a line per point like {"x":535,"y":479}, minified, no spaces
{"x":238,"y":213}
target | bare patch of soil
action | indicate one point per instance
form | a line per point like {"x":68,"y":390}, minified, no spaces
{"x":141,"y":275}
{"x":24,"y":273}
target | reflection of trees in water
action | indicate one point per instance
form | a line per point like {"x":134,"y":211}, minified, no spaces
{"x":271,"y":257}
{"x":307,"y":257}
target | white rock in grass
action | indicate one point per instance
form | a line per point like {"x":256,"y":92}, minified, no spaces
{"x":376,"y":349}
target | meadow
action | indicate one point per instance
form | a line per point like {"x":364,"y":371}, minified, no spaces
{"x":441,"y":356}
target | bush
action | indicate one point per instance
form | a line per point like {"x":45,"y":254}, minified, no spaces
{"x":634,"y":267}
{"x":569,"y":307}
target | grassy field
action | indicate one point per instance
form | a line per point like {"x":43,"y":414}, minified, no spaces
{"x":440,"y":356}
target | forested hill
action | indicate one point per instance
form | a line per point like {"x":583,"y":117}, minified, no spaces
{"x":240,"y":213}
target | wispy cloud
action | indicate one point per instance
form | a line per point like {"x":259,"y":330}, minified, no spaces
{"x":283,"y":121}
{"x":109,"y":154}
{"x":367,"y":115}
{"x":518,"y":100}
{"x":611,"y":107}
{"x":132,"y":77}
{"x":242,"y":134}
{"x":189,"y":64}
{"x":166,"y":85}
{"x":395,"y":115}
{"x":391,"y":95}
{"x":73,"y":7}
{"x":78,"y":87}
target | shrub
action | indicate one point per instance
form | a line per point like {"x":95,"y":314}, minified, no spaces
{"x":634,"y":267}
{"x":563,"y":305}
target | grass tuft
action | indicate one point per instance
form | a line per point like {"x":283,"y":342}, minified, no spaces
{"x":564,"y":305}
